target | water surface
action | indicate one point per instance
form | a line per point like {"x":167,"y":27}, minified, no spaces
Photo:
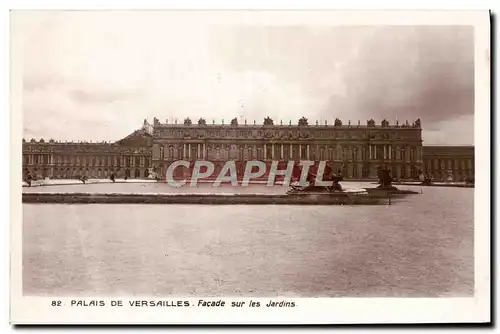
{"x":421,"y":246}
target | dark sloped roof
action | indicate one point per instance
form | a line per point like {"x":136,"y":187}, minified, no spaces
{"x":138,"y":138}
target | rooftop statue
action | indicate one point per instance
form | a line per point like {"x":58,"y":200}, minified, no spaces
{"x":303,"y":121}
{"x":370,"y":123}
{"x":202,"y":121}
{"x":187,"y":121}
{"x":268,"y":121}
{"x":417,"y":123}
{"x":338,"y":122}
{"x":234,"y":121}
{"x":385,"y":123}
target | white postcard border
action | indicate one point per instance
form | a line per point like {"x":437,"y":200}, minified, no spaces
{"x":26,"y":310}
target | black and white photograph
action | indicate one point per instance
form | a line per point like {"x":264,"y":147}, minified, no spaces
{"x":178,"y":166}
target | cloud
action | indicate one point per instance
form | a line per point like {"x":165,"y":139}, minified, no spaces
{"x":107,"y":71}
{"x":425,"y":72}
{"x":457,"y":131}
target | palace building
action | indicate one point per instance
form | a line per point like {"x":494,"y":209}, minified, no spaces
{"x":129,"y":157}
{"x":357,"y":150}
{"x":449,"y":163}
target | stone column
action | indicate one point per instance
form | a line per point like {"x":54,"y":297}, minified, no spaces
{"x":198,"y":156}
{"x":282,"y":157}
{"x":390,"y":152}
{"x":370,"y":151}
{"x":308,"y":155}
{"x":204,"y":151}
{"x":300,"y":151}
{"x":265,"y":152}
{"x":375,"y":152}
{"x":189,"y":151}
{"x":183,"y":151}
{"x":272,"y":151}
{"x":291,"y":151}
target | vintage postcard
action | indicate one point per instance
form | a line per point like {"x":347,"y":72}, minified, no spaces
{"x":250,"y":167}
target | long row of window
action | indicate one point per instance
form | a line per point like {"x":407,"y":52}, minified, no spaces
{"x":69,"y":173}
{"x":285,"y":152}
{"x":129,"y":161}
{"x":436,"y":164}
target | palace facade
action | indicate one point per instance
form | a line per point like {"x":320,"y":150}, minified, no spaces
{"x":357,"y":150}
{"x":449,"y":163}
{"x":129,"y":157}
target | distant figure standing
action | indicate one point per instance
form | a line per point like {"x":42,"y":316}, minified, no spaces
{"x":83,"y":179}
{"x":112,"y":177}
{"x":126,"y":177}
{"x":29,"y":178}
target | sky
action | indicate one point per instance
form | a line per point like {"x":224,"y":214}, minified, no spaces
{"x":97,"y":75}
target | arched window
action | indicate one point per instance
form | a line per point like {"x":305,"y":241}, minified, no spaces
{"x":171,"y":152}
{"x":269,"y":152}
{"x":365,"y":172}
